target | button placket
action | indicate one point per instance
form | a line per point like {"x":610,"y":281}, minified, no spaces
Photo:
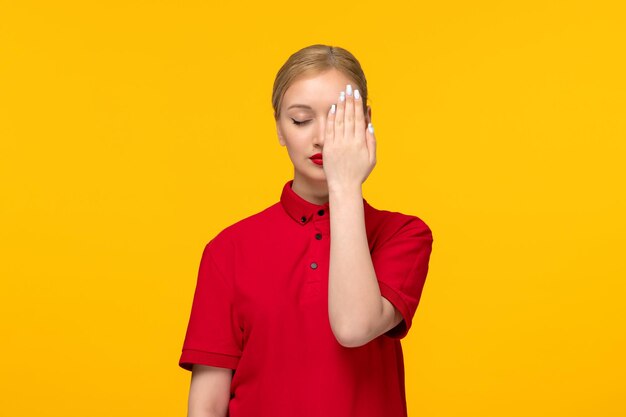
{"x":322,"y":220}
{"x":320,"y":213}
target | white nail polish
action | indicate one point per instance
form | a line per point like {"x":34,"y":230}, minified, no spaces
{"x":357,"y":95}
{"x":332,"y":109}
{"x":370,"y":127}
{"x":349,"y":89}
{"x":342,"y":96}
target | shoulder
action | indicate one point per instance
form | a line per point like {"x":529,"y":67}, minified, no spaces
{"x":247,"y":228}
{"x":383,"y":225}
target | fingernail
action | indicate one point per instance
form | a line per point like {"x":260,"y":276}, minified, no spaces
{"x":357,"y":95}
{"x":370,"y":127}
{"x":332,"y":108}
{"x":349,"y":89}
{"x":342,"y":96}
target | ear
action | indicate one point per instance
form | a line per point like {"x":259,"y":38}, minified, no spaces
{"x":280,"y":135}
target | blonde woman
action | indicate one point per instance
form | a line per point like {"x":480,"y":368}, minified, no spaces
{"x":285,"y":321}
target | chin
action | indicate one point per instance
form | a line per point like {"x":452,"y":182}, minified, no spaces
{"x":320,"y":175}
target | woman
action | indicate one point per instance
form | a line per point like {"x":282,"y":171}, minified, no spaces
{"x":284,"y":321}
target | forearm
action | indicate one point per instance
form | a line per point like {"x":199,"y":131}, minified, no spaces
{"x":354,"y":298}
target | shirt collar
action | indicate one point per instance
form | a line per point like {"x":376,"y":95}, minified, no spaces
{"x":301,"y":210}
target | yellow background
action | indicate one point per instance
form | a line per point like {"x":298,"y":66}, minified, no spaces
{"x":133,"y":131}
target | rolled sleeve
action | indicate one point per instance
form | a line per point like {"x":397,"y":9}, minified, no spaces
{"x":401,"y":266}
{"x":213,"y":335}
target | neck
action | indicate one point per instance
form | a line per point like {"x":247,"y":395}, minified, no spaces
{"x":313,"y":191}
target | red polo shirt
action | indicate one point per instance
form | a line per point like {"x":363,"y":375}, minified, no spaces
{"x":261,"y":308}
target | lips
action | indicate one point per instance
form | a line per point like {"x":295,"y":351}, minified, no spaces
{"x":316,"y":156}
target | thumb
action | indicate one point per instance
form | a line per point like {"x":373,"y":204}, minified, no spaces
{"x":371,"y":142}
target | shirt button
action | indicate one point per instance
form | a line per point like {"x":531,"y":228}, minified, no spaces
{"x":318,"y":236}
{"x":313,"y":265}
{"x":303,"y":219}
{"x":321,"y":212}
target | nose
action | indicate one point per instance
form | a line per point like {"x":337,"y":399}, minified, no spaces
{"x":321,"y":131}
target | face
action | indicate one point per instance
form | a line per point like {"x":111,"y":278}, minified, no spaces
{"x":301,"y":124}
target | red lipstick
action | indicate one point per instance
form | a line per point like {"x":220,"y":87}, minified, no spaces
{"x":317,"y":159}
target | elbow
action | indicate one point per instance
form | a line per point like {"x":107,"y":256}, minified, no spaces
{"x":350,"y":342}
{"x":350,"y":336}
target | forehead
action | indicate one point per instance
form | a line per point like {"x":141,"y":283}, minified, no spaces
{"x":318,"y":90}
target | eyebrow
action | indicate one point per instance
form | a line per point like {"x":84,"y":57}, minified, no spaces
{"x":304,"y":106}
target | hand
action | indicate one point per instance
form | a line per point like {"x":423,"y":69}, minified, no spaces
{"x":349,"y":152}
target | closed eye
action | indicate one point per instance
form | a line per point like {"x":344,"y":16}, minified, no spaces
{"x":297,"y":123}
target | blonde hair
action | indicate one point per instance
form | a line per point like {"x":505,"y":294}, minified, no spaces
{"x":316,"y":59}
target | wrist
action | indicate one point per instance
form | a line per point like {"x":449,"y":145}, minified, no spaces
{"x":345,"y":190}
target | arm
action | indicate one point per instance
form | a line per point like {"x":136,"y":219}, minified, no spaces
{"x":209,"y":393}
{"x":357,"y":311}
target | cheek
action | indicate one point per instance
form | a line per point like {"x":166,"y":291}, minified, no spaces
{"x":297,"y":144}
{"x":298,"y":136}
{"x":296,"y":153}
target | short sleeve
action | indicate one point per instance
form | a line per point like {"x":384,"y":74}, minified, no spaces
{"x":213,"y":335}
{"x":401,"y":266}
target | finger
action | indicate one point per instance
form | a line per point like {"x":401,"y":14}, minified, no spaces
{"x":371,"y":143}
{"x":329,"y":135}
{"x":348,"y":126}
{"x":359,"y":118}
{"x":341,"y":104}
